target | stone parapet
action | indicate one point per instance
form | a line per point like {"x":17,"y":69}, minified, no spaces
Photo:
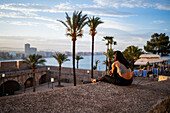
{"x":13,"y":66}
{"x":91,"y":98}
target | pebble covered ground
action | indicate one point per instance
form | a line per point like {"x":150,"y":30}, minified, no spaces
{"x":97,"y":97}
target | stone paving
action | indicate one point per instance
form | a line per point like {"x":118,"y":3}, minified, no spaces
{"x":45,"y":86}
{"x":90,"y":98}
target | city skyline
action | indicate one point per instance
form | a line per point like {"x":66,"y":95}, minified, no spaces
{"x":130,"y":22}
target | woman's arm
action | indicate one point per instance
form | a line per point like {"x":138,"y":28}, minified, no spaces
{"x":113,"y":67}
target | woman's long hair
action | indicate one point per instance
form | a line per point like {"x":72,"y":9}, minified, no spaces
{"x":119,"y":57}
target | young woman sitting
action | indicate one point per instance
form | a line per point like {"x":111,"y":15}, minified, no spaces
{"x":120,"y":73}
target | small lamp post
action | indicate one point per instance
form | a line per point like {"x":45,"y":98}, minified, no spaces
{"x":48,"y":76}
{"x":52,"y":81}
{"x":3,"y":77}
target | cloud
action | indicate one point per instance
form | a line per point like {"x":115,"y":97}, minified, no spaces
{"x":122,"y":43}
{"x":104,"y":12}
{"x":25,"y":15}
{"x":65,"y":7}
{"x":158,"y":22}
{"x":55,"y":27}
{"x":37,"y":7}
{"x":162,"y":5}
{"x":123,"y":3}
{"x":166,"y":29}
{"x":88,"y":6}
{"x":21,"y":23}
{"x":110,"y":23}
{"x":16,"y":15}
{"x":29,"y":15}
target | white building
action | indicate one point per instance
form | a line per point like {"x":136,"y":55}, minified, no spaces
{"x":29,"y":51}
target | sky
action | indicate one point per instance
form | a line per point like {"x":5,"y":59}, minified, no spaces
{"x":130,"y":22}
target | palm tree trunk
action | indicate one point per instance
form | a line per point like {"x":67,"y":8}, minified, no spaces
{"x":109,"y":64}
{"x":92,"y":56}
{"x":106,"y":56}
{"x":132,"y":64}
{"x":110,"y":46}
{"x":106,"y":64}
{"x":77,"y":64}
{"x":59,"y":82}
{"x":34,"y":82}
{"x":74,"y":73}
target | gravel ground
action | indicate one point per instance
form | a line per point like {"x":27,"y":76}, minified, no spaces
{"x":89,"y":98}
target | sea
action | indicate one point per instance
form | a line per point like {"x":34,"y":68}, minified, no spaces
{"x":84,"y":63}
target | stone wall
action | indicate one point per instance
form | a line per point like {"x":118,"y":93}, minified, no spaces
{"x":13,"y":66}
{"x":8,"y":66}
{"x":20,"y":68}
{"x":67,"y":73}
{"x":23,"y":66}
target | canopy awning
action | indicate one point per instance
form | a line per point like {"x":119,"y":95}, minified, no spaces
{"x":148,"y":56}
{"x":144,"y":61}
{"x":165,"y":58}
{"x":140,"y":63}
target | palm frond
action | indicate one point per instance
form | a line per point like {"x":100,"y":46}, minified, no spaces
{"x":68,"y":21}
{"x":79,"y":57}
{"x":61,"y":58}
{"x":63,"y":23}
{"x":34,"y":60}
{"x":75,"y":24}
{"x":93,"y":22}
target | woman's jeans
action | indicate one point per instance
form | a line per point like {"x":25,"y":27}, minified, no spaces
{"x":118,"y":80}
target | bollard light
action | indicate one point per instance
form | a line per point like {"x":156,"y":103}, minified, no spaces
{"x":52,"y":80}
{"x":88,"y":74}
{"x":48,"y":76}
{"x":48,"y":68}
{"x":3,"y":75}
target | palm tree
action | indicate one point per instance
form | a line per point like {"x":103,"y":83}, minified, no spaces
{"x":132,"y":53}
{"x":33,"y":61}
{"x":78,"y":58}
{"x":61,"y":58}
{"x":95,"y":67}
{"x":110,"y":57}
{"x":74,"y":29}
{"x":93,"y":23}
{"x":112,"y":42}
{"x":107,"y":38}
{"x":96,"y":62}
